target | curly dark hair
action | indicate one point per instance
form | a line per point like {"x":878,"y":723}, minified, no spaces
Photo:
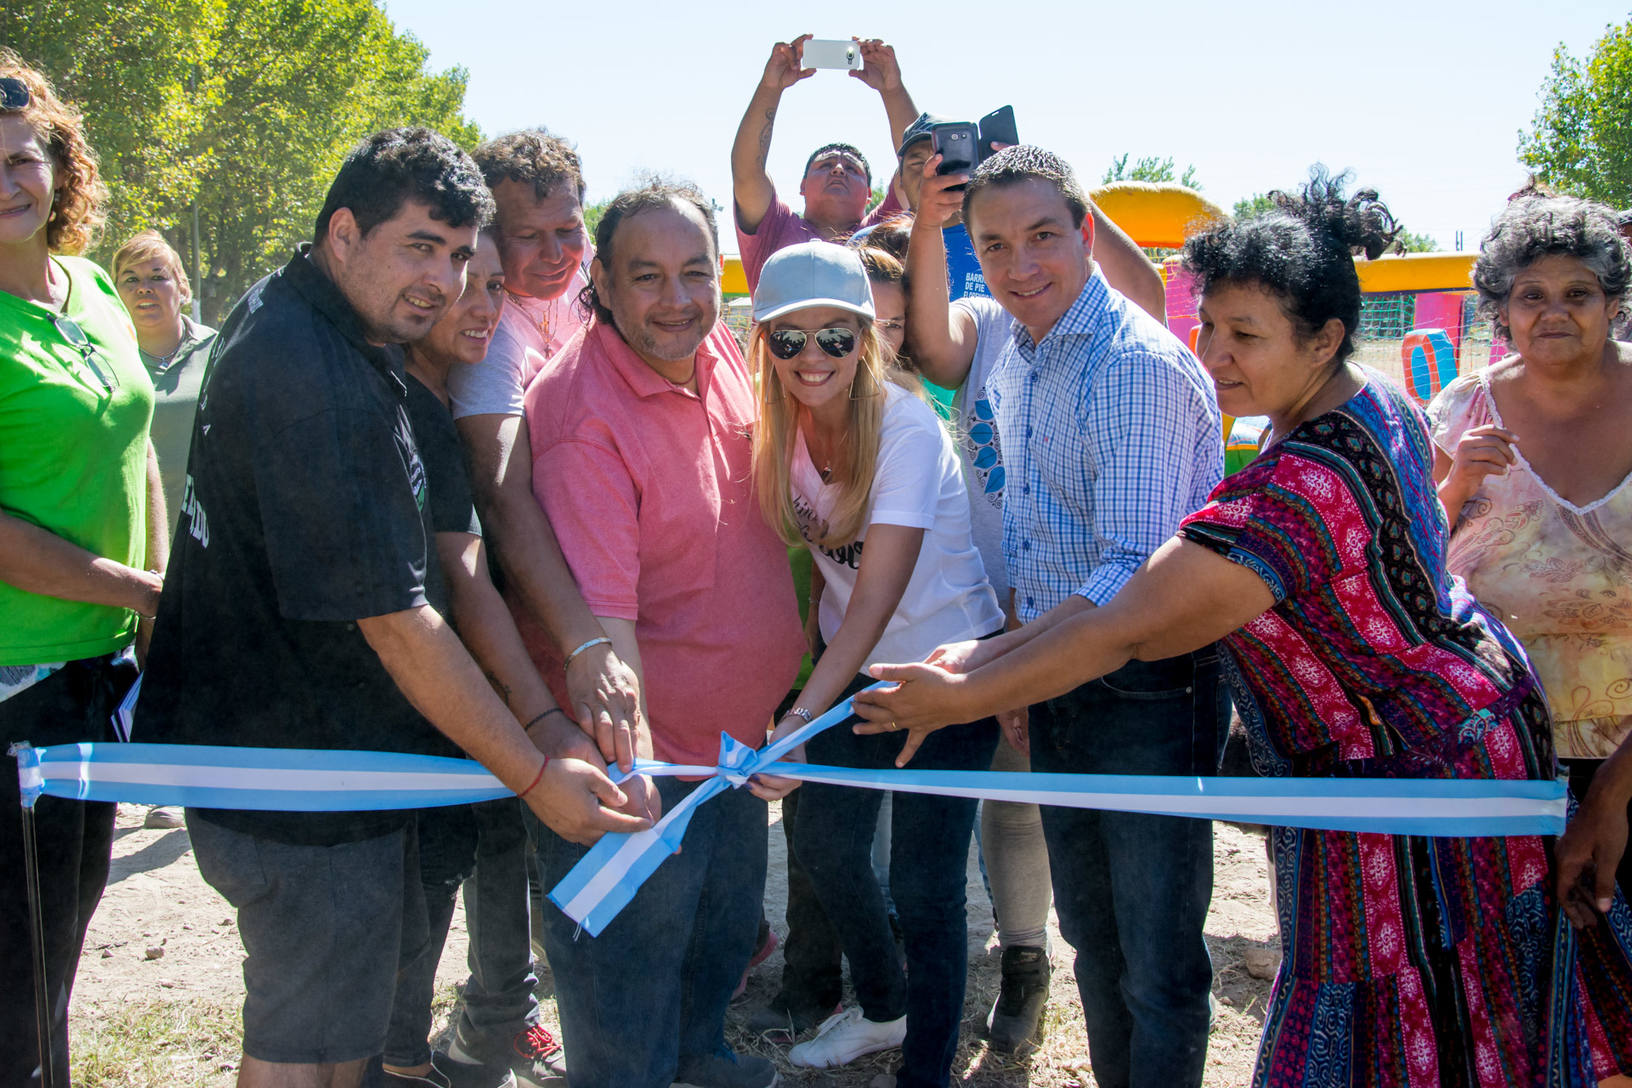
{"x":1302,"y":250}
{"x":1534,"y":226}
{"x":79,"y":207}
{"x":532,"y":157}
{"x":393,"y":167}
{"x":1023,"y":162}
{"x":653,"y":196}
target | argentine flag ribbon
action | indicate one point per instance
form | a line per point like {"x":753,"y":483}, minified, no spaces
{"x":609,"y":876}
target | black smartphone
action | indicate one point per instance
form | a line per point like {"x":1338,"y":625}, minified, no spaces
{"x":954,"y":142}
{"x":997,"y":127}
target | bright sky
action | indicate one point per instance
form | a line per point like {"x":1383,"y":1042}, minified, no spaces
{"x":1424,"y":99}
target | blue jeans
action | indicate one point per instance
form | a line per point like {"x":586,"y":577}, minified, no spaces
{"x":653,"y":987}
{"x":1132,"y":890}
{"x":929,"y":852}
{"x":486,"y":845}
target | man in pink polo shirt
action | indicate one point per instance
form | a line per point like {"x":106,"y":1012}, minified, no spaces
{"x":837,"y":181}
{"x":640,"y":432}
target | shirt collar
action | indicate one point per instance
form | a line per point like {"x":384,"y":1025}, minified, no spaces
{"x":1082,"y":319}
{"x":642,"y":380}
{"x":325,"y":296}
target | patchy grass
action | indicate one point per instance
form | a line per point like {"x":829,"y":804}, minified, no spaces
{"x":173,"y":1044}
{"x":138,"y":1044}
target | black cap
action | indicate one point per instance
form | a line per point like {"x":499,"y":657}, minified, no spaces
{"x":918,"y":130}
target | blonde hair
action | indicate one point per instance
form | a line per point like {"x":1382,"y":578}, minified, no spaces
{"x":150,"y":245}
{"x":79,"y":205}
{"x":778,"y":425}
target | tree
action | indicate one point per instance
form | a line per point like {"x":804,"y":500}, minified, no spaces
{"x":238,"y":111}
{"x":1149,"y":168}
{"x":1580,"y":141}
{"x":1256,"y":204}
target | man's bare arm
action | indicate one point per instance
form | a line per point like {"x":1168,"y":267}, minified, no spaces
{"x":1126,"y":267}
{"x":604,"y":691}
{"x":751,"y":185}
{"x":431,"y":667}
{"x":942,"y":339}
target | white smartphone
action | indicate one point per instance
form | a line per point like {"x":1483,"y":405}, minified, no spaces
{"x":824,"y":53}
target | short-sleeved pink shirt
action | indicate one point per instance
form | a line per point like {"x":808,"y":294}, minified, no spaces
{"x":783,"y":227}
{"x":647,"y":486}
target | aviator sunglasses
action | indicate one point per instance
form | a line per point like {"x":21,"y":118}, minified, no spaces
{"x":788,"y":343}
{"x":14,"y":94}
{"x":94,"y":361}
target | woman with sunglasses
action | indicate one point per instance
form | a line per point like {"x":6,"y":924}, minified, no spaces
{"x":860,"y":470}
{"x":81,"y":541}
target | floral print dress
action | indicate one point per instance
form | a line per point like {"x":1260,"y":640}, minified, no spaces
{"x":1408,"y":962}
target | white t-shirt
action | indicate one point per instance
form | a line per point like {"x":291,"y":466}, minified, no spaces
{"x":918,"y":484}
{"x":975,"y":433}
{"x":530,"y":331}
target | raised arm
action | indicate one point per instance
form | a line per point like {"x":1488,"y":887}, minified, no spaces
{"x":1126,"y":267}
{"x":604,"y":691}
{"x":1182,"y":599}
{"x":942,"y":339}
{"x":882,"y":73}
{"x":751,"y":186}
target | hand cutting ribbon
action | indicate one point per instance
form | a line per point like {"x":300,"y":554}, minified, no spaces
{"x":609,"y":876}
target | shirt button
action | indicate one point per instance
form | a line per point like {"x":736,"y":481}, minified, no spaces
{"x":1025,"y":489}
{"x":1030,"y":603}
{"x":1028,"y":432}
{"x":1025,"y":545}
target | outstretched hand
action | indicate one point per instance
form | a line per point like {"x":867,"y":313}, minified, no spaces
{"x":606,"y":694}
{"x":577,"y":801}
{"x":879,"y":69}
{"x":785,"y":67}
{"x":924,"y":699}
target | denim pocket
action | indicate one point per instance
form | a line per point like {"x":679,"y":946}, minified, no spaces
{"x":1169,"y":678}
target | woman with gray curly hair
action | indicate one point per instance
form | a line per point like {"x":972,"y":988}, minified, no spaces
{"x":1534,"y":468}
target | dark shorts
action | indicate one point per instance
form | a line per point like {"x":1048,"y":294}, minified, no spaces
{"x":321,"y":927}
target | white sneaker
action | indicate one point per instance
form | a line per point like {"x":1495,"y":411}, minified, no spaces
{"x":846,"y":1036}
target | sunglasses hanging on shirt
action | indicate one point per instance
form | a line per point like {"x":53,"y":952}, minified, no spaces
{"x":94,"y":359}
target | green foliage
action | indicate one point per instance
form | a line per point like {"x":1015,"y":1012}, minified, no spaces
{"x":240,"y":109}
{"x":592,"y":217}
{"x":1150,"y":168}
{"x":1256,"y":204}
{"x":1418,"y":243}
{"x":1581,"y":139}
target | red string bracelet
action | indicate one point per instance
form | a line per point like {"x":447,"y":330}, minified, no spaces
{"x":537,"y":778}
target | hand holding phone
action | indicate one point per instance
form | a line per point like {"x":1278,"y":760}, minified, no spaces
{"x":955,"y":142}
{"x":830,"y":53}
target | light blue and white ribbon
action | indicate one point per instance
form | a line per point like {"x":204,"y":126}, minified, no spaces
{"x":609,"y":876}
{"x":268,"y":779}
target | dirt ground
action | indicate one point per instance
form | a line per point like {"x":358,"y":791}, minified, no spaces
{"x":162,"y":934}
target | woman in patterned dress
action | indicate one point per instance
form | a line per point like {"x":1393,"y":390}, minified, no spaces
{"x":1407,"y":961}
{"x":1534,"y":463}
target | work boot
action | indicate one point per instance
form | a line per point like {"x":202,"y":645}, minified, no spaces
{"x":1016,"y":1018}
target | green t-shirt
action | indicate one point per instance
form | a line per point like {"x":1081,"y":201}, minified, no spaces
{"x":73,"y":457}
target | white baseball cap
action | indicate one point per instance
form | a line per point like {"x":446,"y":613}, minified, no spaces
{"x":813,"y":274}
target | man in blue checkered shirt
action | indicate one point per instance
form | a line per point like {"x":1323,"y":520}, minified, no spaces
{"x":1111,"y":434}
